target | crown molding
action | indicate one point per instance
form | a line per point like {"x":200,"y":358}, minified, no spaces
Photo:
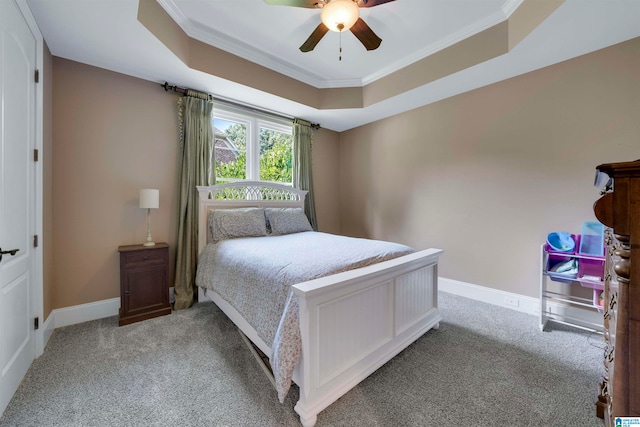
{"x":437,"y":46}
{"x":510,"y":6}
{"x":243,"y":50}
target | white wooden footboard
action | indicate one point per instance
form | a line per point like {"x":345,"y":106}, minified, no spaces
{"x":352,"y":323}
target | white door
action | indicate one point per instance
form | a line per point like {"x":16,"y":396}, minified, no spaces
{"x":18,"y":48}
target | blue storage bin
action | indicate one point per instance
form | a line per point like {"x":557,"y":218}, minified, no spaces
{"x":556,"y":260}
{"x":562,"y":242}
{"x":592,"y":239}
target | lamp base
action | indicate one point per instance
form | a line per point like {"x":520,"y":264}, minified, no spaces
{"x":149,"y":241}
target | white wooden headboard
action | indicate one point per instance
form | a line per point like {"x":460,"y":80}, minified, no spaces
{"x":244,"y":194}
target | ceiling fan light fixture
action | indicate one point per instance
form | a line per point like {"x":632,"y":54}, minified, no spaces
{"x":339,"y":15}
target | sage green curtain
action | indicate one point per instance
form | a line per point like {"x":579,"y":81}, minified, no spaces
{"x":302,"y":173}
{"x":195,"y":114}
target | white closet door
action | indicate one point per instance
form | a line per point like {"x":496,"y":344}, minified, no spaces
{"x":18,"y":50}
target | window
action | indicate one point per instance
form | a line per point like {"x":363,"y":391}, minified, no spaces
{"x":252,"y":146}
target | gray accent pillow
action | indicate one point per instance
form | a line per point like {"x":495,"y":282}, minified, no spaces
{"x":287,"y":220}
{"x":232,"y":223}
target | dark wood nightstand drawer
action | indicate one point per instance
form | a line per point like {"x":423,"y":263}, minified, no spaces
{"x":144,"y":256}
{"x":144,"y":282}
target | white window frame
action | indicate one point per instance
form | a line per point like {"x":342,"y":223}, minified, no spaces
{"x":253,"y":121}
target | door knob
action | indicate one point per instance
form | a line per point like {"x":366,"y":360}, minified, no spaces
{"x":12,"y":252}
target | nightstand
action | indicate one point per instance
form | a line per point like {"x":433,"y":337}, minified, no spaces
{"x":144,"y":278}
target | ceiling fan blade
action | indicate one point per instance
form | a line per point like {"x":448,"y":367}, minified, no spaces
{"x":314,"y":38}
{"x":371,"y":3}
{"x":366,"y":35}
{"x":295,"y":3}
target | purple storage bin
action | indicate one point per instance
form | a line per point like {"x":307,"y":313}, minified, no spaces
{"x":591,"y":273}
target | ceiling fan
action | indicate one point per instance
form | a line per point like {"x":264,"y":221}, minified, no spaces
{"x":337,"y":15}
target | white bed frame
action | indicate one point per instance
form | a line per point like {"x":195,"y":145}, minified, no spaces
{"x":351,"y":323}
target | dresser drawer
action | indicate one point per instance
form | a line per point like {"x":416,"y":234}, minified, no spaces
{"x":147,"y":256}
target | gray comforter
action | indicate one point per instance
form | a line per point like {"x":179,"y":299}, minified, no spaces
{"x":255,"y":276}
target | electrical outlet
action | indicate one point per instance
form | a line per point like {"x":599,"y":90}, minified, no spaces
{"x":515,"y":302}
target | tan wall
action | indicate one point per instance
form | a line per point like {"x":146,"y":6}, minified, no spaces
{"x":326,"y":152}
{"x":47,"y":183}
{"x":113,"y":135}
{"x":487,"y":174}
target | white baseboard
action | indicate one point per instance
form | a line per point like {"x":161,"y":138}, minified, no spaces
{"x":86,"y":312}
{"x":106,"y":308}
{"x":522,"y":303}
{"x":48,"y":327}
{"x":78,"y":314}
{"x":582,"y":317}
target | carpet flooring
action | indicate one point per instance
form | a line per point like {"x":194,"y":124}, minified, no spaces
{"x":485,"y":366}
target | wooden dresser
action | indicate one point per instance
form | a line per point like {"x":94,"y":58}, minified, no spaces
{"x":619,"y":208}
{"x":144,"y":277}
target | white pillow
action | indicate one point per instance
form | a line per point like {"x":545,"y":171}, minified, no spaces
{"x":232,"y":223}
{"x":287,"y":220}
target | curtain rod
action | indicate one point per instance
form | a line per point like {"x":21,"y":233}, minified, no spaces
{"x":181,"y":90}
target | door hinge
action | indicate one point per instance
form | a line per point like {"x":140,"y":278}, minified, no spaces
{"x":35,"y":241}
{"x":35,"y":155}
{"x":37,"y":76}
{"x":36,"y":323}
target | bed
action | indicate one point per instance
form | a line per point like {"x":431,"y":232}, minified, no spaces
{"x":347,"y":324}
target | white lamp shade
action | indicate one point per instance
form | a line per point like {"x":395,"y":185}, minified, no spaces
{"x":149,"y":198}
{"x":339,"y":15}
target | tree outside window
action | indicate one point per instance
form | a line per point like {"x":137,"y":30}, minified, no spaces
{"x":252,"y":148}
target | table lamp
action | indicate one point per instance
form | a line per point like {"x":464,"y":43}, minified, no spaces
{"x":149,"y":199}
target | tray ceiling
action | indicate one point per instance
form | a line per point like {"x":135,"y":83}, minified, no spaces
{"x":109,"y":34}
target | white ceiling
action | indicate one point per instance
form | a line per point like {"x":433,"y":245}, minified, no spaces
{"x":107,"y":34}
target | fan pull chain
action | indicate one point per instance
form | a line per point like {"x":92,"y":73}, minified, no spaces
{"x":340,"y":57}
